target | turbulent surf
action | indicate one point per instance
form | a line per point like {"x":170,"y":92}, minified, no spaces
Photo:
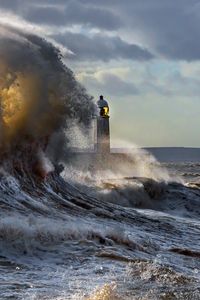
{"x":72,"y":233}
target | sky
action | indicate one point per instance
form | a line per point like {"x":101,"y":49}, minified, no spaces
{"x":142,"y":55}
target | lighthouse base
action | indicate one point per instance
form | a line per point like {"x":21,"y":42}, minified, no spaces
{"x":103,"y":135}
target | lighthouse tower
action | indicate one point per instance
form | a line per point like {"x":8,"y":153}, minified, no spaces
{"x":103,"y":128}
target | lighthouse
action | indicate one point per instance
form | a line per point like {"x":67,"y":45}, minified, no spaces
{"x":103,"y":127}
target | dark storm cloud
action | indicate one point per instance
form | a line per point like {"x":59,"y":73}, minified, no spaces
{"x":101,"y":47}
{"x":13,"y":4}
{"x":170,"y":28}
{"x":46,"y":15}
{"x":9,"y":4}
{"x":74,"y":13}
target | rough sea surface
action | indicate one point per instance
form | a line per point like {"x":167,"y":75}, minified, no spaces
{"x":129,"y":231}
{"x":82,"y":236}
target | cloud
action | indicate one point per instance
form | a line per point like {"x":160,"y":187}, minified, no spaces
{"x":169,"y":28}
{"x":13,"y":4}
{"x":74,"y":13}
{"x":102,"y":47}
{"x":109,"y":83}
{"x":46,"y":15}
{"x":176,"y":31}
{"x":9,"y":4}
{"x":126,"y":82}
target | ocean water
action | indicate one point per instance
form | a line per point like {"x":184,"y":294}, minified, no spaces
{"x":99,"y":236}
{"x":125,"y":230}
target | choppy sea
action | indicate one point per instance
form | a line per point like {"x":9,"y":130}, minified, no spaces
{"x":101,"y":236}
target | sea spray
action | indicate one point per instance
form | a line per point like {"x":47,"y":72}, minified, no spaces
{"x":39,"y":95}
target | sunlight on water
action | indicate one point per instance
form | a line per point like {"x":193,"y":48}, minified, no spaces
{"x":107,"y":292}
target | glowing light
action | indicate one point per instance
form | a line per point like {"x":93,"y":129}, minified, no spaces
{"x":104,"y":112}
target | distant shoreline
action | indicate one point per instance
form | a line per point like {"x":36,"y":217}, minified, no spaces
{"x":167,"y":154}
{"x":162,"y":154}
